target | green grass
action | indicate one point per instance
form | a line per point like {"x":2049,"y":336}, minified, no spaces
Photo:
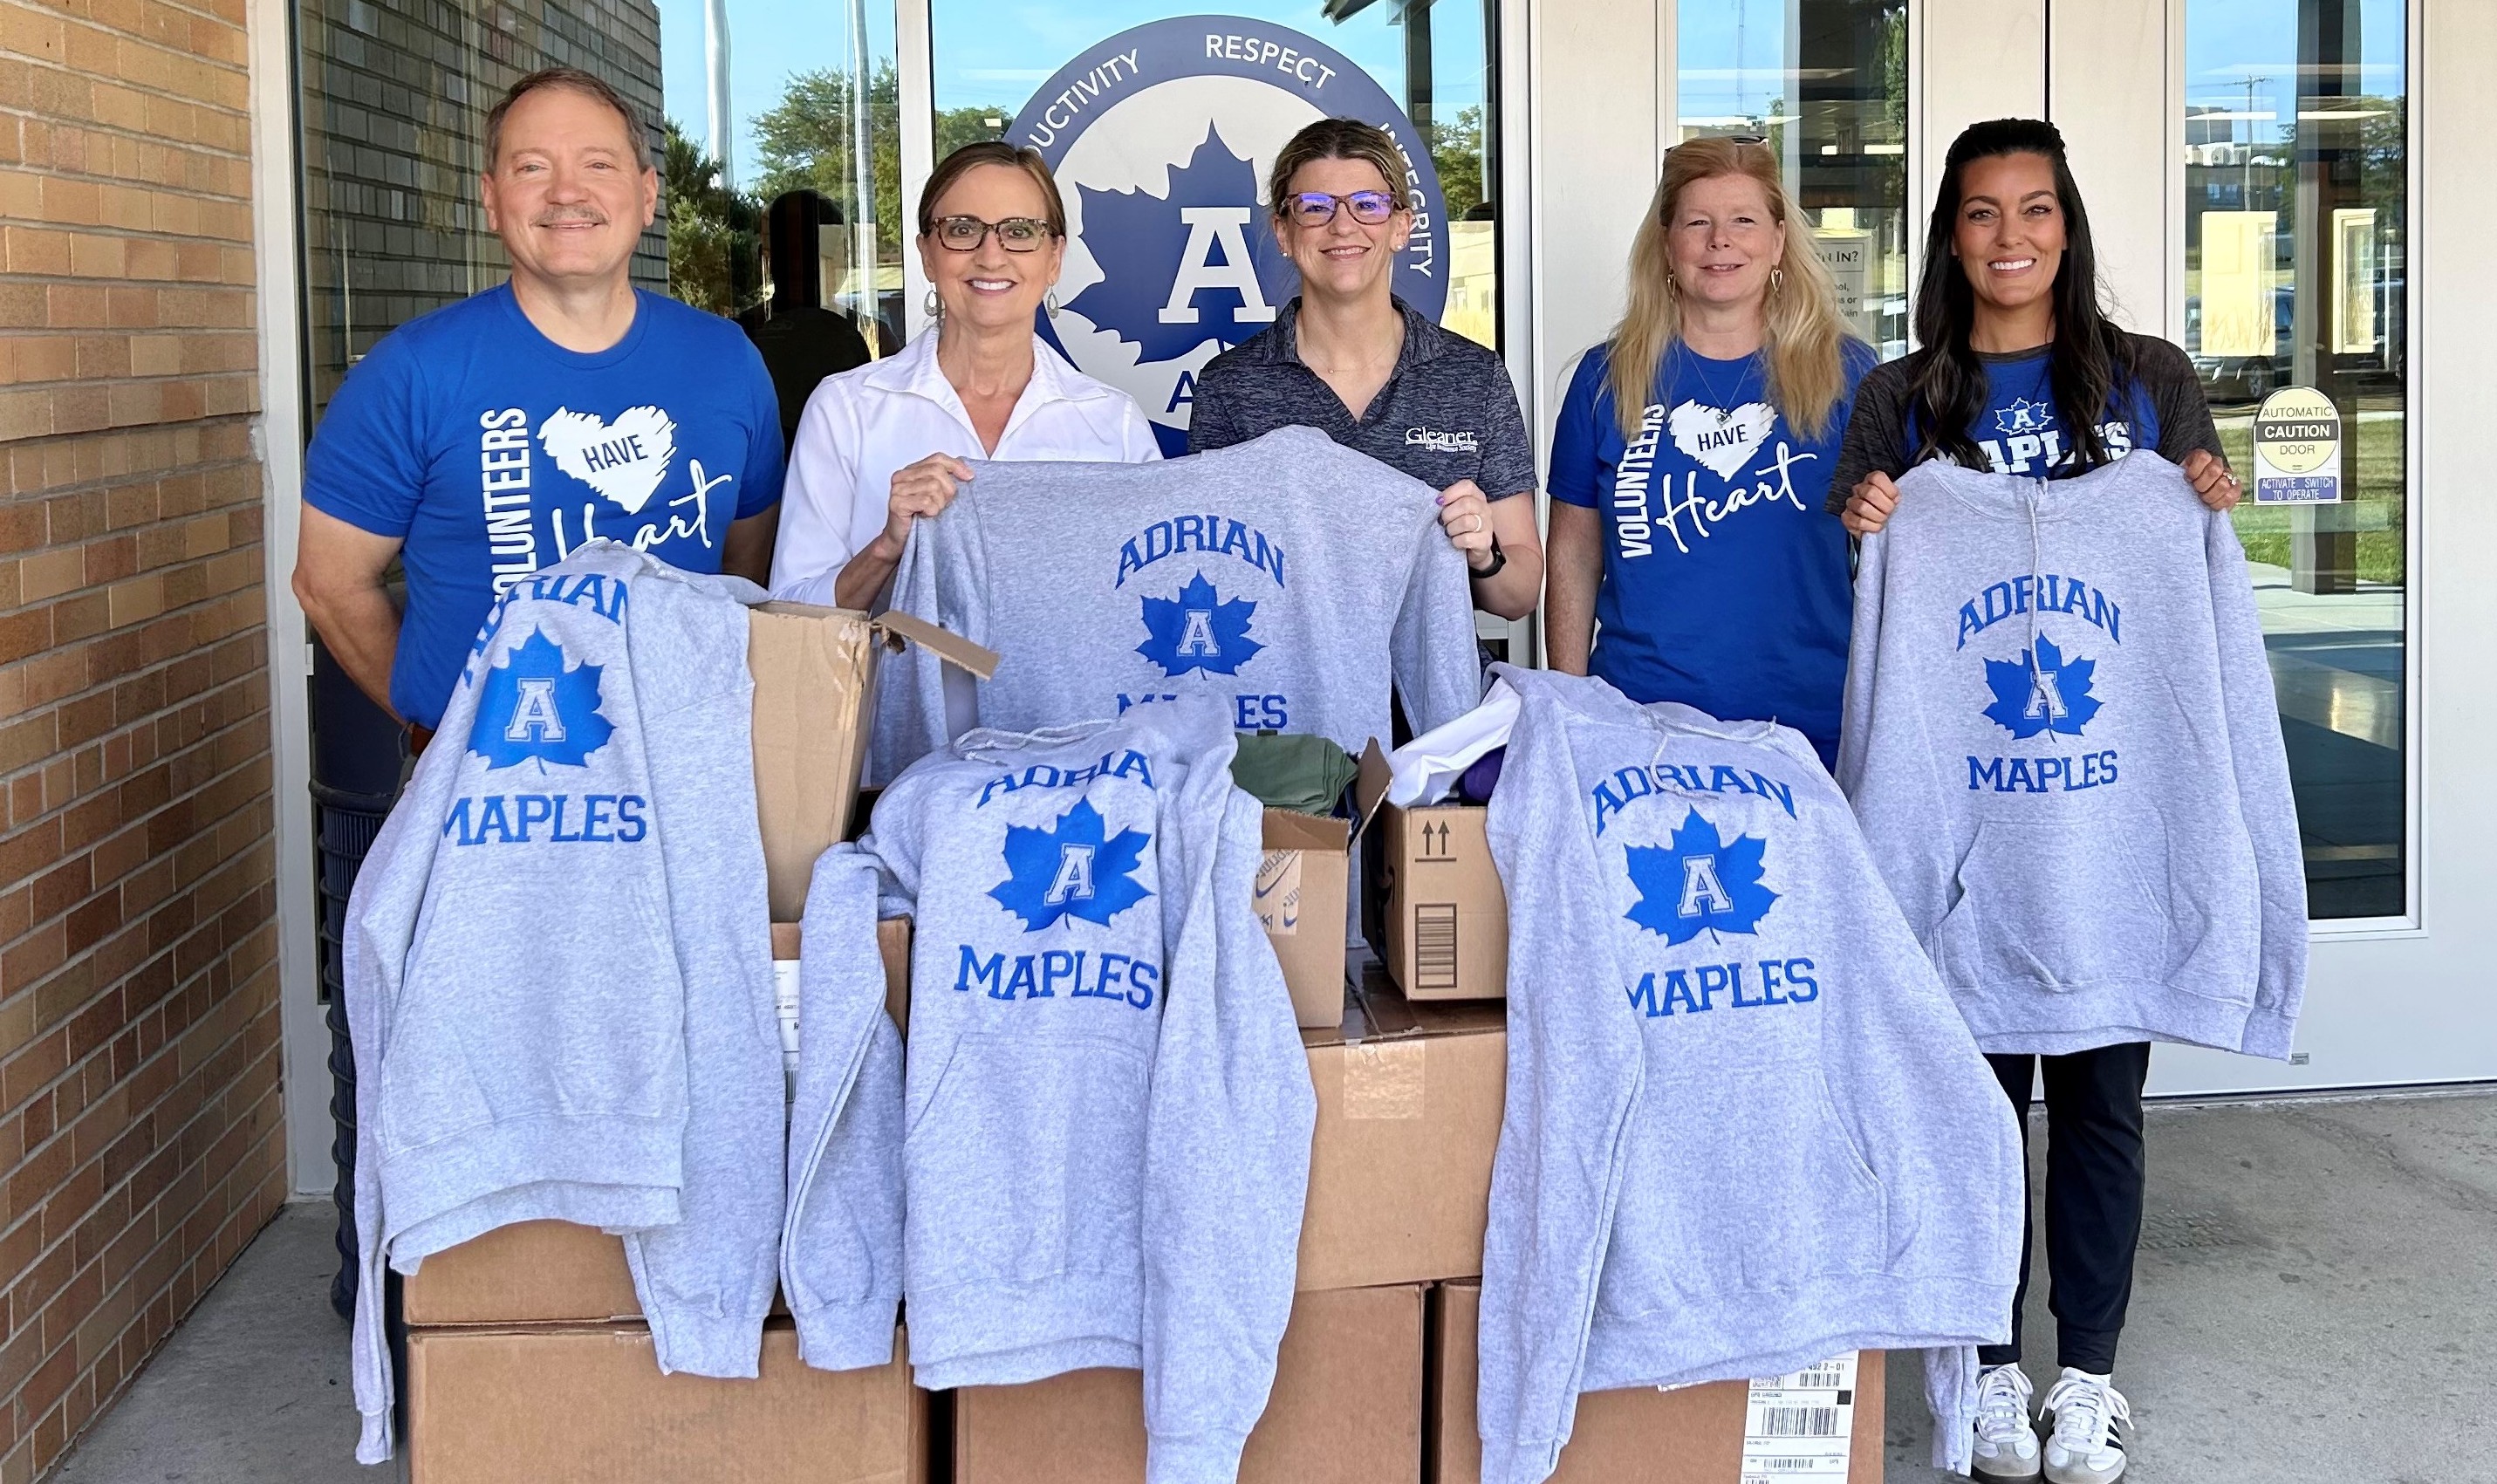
{"x":2377,"y":490}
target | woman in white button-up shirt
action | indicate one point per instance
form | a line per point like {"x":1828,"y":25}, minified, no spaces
{"x":884,"y":445}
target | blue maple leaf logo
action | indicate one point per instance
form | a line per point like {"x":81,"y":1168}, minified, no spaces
{"x":1199,"y":630}
{"x":1139,"y":240}
{"x":2044,"y":693}
{"x":1069,"y":871}
{"x":1698,"y":882}
{"x":531,"y":706}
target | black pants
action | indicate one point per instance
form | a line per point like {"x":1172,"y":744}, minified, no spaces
{"x":2094,"y":1184}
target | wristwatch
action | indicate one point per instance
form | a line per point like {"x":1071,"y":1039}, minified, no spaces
{"x":1499,"y":559}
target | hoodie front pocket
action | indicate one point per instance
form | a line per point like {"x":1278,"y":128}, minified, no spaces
{"x":505,"y":1018}
{"x":1028,"y":1160}
{"x":1744,"y":1182}
{"x":2059,"y":905}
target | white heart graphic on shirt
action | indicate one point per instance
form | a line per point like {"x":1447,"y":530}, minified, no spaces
{"x":1724,"y":441}
{"x":624,"y":460}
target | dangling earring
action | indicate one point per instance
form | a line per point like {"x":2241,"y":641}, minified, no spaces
{"x":1777,"y":281}
{"x":1672,"y":287}
{"x":934,"y":306}
{"x":1050,"y":304}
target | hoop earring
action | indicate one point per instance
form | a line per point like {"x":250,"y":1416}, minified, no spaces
{"x":1050,"y":304}
{"x":934,"y":306}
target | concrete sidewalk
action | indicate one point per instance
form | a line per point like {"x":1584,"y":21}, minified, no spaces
{"x":2315,"y":1277}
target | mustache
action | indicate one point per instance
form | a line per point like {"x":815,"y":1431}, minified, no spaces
{"x":562,"y":214}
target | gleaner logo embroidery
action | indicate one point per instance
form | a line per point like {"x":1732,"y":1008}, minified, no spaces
{"x":1460,"y":441}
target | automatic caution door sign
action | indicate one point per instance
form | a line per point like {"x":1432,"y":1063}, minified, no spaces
{"x":2297,"y":449}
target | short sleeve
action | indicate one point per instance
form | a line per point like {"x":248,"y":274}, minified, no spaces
{"x":1508,"y":456}
{"x":1876,"y":440}
{"x":819,"y":497}
{"x":2175,"y":394}
{"x":765,"y":464}
{"x":366,"y":463}
{"x":1575,"y":466}
{"x":1210,"y":425}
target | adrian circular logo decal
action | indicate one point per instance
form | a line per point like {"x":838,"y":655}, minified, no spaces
{"x":1161,"y":138}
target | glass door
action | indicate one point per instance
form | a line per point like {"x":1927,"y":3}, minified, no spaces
{"x":2296,"y":229}
{"x":1825,"y":83}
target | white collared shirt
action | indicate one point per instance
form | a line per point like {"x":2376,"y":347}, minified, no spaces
{"x":863,"y":424}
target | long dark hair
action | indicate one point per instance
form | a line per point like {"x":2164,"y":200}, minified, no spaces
{"x":2090,"y":358}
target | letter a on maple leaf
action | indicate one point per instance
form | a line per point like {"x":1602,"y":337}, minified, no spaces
{"x":1699,"y":881}
{"x":1198,"y":630}
{"x":1069,"y":870}
{"x":532,"y":708}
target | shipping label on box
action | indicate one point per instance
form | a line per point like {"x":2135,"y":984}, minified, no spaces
{"x":1719,"y":1432}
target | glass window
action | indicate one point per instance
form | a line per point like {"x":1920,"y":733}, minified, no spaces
{"x":393,"y":113}
{"x":393,"y":116}
{"x":2297,"y":233}
{"x":1161,"y":124}
{"x":763,"y":99}
{"x":1825,"y":82}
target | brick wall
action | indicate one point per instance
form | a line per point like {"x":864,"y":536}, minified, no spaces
{"x":142,"y":1141}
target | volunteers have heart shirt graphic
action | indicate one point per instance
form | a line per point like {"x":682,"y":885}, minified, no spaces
{"x":624,"y":460}
{"x":1720,"y":440}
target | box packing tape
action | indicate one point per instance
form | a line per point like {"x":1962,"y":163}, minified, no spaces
{"x":1383,"y":1080}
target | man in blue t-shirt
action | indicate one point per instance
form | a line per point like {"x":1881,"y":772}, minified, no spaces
{"x":488,"y":439}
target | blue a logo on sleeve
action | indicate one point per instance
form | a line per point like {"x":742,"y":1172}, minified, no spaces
{"x":535,"y":708}
{"x":1699,"y":882}
{"x":1069,"y":870}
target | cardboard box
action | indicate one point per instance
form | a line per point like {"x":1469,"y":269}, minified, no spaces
{"x":1638,"y":1435}
{"x":589,"y":1406}
{"x":814,"y":693}
{"x":1410,"y":1100}
{"x":1302,"y":894}
{"x":1441,"y":918}
{"x":556,"y":1273}
{"x":1347,"y":1408}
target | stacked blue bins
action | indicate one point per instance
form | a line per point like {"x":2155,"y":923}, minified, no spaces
{"x":356,"y":762}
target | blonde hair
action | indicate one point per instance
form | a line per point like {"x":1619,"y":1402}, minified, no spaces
{"x":1338,"y":139}
{"x":1802,"y":347}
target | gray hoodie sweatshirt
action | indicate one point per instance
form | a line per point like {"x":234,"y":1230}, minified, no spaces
{"x":1289,"y":577}
{"x":1108,"y":1109}
{"x":840,"y":1247}
{"x":558,"y":965}
{"x":1745,"y":1128}
{"x":2061,"y":738}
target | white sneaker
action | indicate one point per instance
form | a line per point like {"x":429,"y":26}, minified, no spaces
{"x":2084,"y":1447}
{"x":2007,"y":1441}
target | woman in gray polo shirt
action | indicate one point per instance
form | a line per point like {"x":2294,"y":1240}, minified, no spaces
{"x":1348,"y":357}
